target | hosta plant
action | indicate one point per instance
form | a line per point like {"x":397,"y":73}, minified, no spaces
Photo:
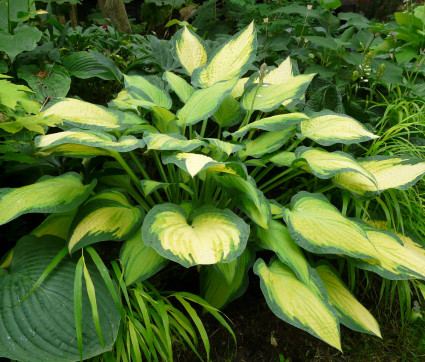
{"x":212,"y":168}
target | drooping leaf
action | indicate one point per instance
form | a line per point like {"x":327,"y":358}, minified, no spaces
{"x":48,"y":195}
{"x":170,"y":142}
{"x":138,"y":260}
{"x":35,"y":123}
{"x":106,"y":216}
{"x":327,"y":128}
{"x":317,"y":226}
{"x":350,"y":312}
{"x":89,"y":138}
{"x":295,"y":303}
{"x":231,"y":60}
{"x":189,"y":49}
{"x":182,"y":88}
{"x":204,"y":102}
{"x":211,"y":236}
{"x":56,"y":225}
{"x":13,"y":94}
{"x":193,"y":163}
{"x":41,"y":327}
{"x":390,"y":172}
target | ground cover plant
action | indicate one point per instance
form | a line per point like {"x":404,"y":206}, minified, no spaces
{"x":218,"y":162}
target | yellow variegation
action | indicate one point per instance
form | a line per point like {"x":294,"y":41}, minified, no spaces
{"x":170,"y":142}
{"x":278,"y":239}
{"x":399,"y":256}
{"x":350,"y":312}
{"x":212,"y":236}
{"x":223,"y":146}
{"x":326,"y":164}
{"x":106,"y":216}
{"x":138,"y":260}
{"x":216,"y":290}
{"x":85,"y":115}
{"x":204,"y":102}
{"x":6,"y":260}
{"x":267,"y":143}
{"x":194,"y":163}
{"x":56,"y":225}
{"x":272,"y":124}
{"x":281,"y":74}
{"x":283,"y":159}
{"x":295,"y":303}
{"x":74,"y":150}
{"x":182,"y":88}
{"x":231,"y":60}
{"x":189,"y":49}
{"x":239,"y":88}
{"x":125,"y":101}
{"x":89,"y":138}
{"x":390,"y":172}
{"x":269,"y":97}
{"x":35,"y":123}
{"x":164,"y":120}
{"x":327,"y":128}
{"x":48,"y":195}
{"x":317,"y":226}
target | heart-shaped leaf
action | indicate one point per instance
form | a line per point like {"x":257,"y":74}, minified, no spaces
{"x":24,"y":38}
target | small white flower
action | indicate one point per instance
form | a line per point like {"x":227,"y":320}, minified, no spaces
{"x":259,"y":96}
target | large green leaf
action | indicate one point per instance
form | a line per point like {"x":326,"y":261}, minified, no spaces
{"x":247,"y":197}
{"x":74,"y":150}
{"x":204,"y":102}
{"x":41,"y":327}
{"x":208,"y":236}
{"x":139,"y":261}
{"x":231,"y":60}
{"x":295,"y":303}
{"x":89,"y":138}
{"x":24,"y":38}
{"x":219,"y":292}
{"x":228,"y":113}
{"x":139,"y":88}
{"x":106,"y":216}
{"x":350,"y":312}
{"x":90,"y":116}
{"x":91,"y":64}
{"x":56,"y":225}
{"x":35,"y":123}
{"x":390,"y":172}
{"x":11,"y":94}
{"x":269,"y":97}
{"x":272,"y":124}
{"x":193,"y":163}
{"x":49,"y":194}
{"x":189,"y":50}
{"x":327,"y":128}
{"x":278,"y":239}
{"x":182,"y":88}
{"x":326,"y":164}
{"x":319,"y":227}
{"x":170,"y":142}
{"x":400,"y":257}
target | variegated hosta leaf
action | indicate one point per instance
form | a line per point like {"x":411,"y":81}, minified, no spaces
{"x":193,"y":163}
{"x":327,"y":128}
{"x":211,"y":236}
{"x":56,"y":225}
{"x":295,"y":303}
{"x":326,"y":164}
{"x":182,"y":88}
{"x":165,"y":121}
{"x":125,"y":101}
{"x":48,"y":195}
{"x":228,"y":113}
{"x":139,"y":261}
{"x":204,"y":102}
{"x":233,"y":59}
{"x":267,"y":143}
{"x":272,"y":124}
{"x":74,"y":150}
{"x":227,"y":270}
{"x":283,"y":73}
{"x":350,"y":312}
{"x":214,"y":288}
{"x":89,"y":138}
{"x":189,"y":49}
{"x":400,"y":257}
{"x":278,"y":239}
{"x":239,"y":88}
{"x":247,"y":197}
{"x":35,"y":123}
{"x":226,"y":147}
{"x":269,"y":97}
{"x":150,"y":186}
{"x":106,"y":216}
{"x":170,"y":142}
{"x":88,"y":116}
{"x":139,"y":88}
{"x":282,"y":159}
{"x":390,"y":172}
{"x":319,"y":227}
